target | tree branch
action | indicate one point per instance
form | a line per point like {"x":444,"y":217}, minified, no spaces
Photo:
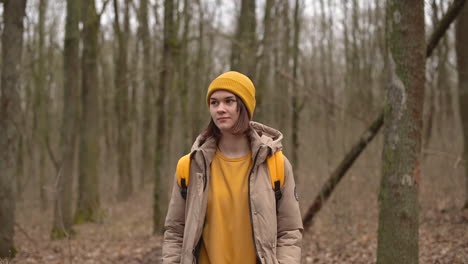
{"x":135,"y":9}
{"x":321,"y":97}
{"x":370,"y":133}
{"x":457,"y":158}
{"x":46,"y":142}
{"x":443,"y":25}
{"x":34,"y":242}
{"x":340,"y":171}
{"x":104,"y":5}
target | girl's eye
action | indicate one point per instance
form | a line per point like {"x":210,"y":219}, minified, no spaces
{"x":230,"y":101}
{"x":214,"y":102}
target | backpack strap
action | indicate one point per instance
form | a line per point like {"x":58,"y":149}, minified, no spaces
{"x":183,"y":174}
{"x":275,"y":165}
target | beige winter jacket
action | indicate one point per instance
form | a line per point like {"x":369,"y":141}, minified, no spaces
{"x":277,"y":234}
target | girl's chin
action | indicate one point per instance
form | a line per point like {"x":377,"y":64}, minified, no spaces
{"x":225,"y":129}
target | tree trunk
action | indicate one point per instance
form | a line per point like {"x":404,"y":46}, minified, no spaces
{"x":20,"y":157}
{"x":160,"y":182}
{"x":184,"y":75}
{"x":62,"y":225}
{"x":148,"y":89}
{"x":88,"y":181}
{"x":355,"y":93}
{"x":347,"y":55}
{"x":365,"y":96}
{"x":296,"y":108}
{"x":125,"y":185}
{"x":442,"y":83}
{"x":106,"y":103}
{"x":462,"y":63}
{"x":200,"y":82}
{"x":326,"y":86}
{"x":330,"y":65}
{"x":10,"y":109}
{"x":40,"y":106}
{"x":398,"y":199}
{"x":281,"y":90}
{"x":243,"y":56}
{"x":431,"y":90}
{"x":263,"y":81}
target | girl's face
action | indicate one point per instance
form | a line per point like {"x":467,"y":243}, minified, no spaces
{"x":223,"y":110}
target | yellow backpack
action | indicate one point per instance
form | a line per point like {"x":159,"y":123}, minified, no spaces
{"x":275,"y":165}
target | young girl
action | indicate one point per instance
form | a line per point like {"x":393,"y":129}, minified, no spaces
{"x":229,"y":212}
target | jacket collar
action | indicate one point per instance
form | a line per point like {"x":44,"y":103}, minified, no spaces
{"x":203,"y":149}
{"x":264,"y":141}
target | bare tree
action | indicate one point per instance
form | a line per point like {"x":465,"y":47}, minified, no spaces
{"x":88,"y":181}
{"x":62,"y":225}
{"x":282,"y":57}
{"x":10,"y":109}
{"x":243,"y":53}
{"x":201,"y":71}
{"x":263,"y":82}
{"x":125,"y":185}
{"x":160,"y":183}
{"x":369,"y":134}
{"x":398,"y":233}
{"x":41,"y":105}
{"x":442,"y":84}
{"x":327,"y":88}
{"x":462,"y":63}
{"x":297,"y":105}
{"x":184,"y":72}
{"x":148,"y":90}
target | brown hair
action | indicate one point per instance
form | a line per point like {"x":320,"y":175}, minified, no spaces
{"x":240,"y":127}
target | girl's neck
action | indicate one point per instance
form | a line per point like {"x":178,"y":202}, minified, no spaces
{"x":234,"y":146}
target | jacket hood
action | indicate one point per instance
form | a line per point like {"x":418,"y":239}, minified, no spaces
{"x":264,"y":141}
{"x":262,"y":136}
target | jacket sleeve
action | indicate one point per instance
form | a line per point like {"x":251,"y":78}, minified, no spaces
{"x":174,"y":227}
{"x":289,"y":233}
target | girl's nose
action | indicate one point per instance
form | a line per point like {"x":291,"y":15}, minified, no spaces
{"x":221,"y":108}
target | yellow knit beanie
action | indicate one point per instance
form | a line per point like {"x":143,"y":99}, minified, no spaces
{"x":236,"y":83}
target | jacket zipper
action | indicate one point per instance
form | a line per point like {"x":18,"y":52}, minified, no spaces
{"x":204,"y":174}
{"x":250,"y":206}
{"x":195,"y":251}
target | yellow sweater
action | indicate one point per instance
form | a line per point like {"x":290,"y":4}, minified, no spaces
{"x":227,"y":233}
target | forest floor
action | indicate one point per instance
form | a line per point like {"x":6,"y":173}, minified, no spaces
{"x":124,"y":236}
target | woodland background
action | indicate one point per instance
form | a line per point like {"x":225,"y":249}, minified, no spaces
{"x":102,"y":127}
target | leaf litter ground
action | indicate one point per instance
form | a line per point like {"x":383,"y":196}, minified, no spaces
{"x":124,"y":236}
